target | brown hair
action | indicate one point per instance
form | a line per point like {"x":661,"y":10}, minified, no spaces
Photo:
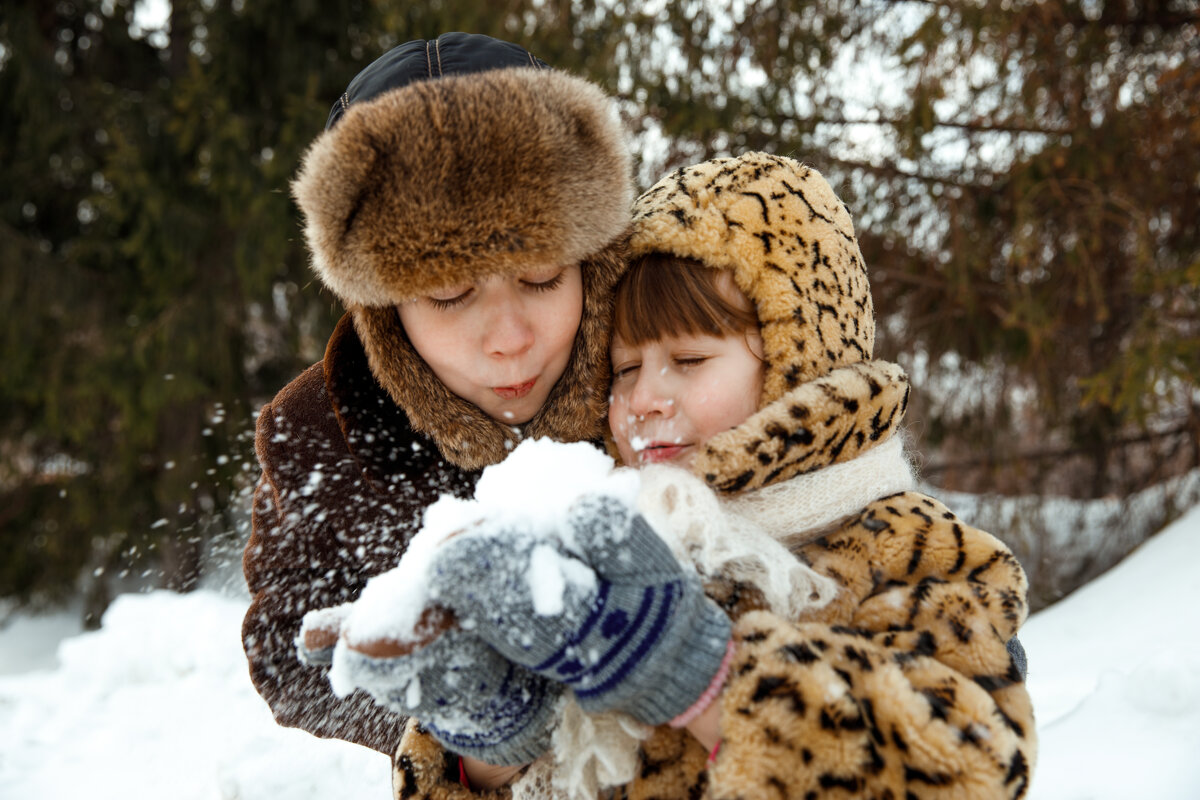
{"x":664,"y":295}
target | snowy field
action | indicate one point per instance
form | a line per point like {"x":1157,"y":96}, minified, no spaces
{"x":157,"y":704}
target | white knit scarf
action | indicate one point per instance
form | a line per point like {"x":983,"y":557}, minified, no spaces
{"x":802,"y":509}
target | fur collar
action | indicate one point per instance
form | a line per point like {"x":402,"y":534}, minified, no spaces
{"x":806,"y":507}
{"x":823,"y":422}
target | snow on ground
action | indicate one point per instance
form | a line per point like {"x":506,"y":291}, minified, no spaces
{"x":1114,"y":670}
{"x":157,"y":703}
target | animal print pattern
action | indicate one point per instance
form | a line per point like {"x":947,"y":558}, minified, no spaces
{"x":900,"y":688}
{"x":826,"y":421}
{"x":423,"y":770}
{"x":789,"y":242}
{"x":903,"y":686}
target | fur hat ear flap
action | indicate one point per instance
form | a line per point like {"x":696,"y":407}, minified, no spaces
{"x":345,"y":177}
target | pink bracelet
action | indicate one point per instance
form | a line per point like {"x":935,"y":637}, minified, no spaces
{"x":710,"y":694}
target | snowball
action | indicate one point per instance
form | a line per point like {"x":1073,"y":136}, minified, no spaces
{"x":531,"y":490}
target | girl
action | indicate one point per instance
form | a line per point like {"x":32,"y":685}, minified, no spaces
{"x":468,"y":206}
{"x":755,"y":374}
{"x":743,"y":353}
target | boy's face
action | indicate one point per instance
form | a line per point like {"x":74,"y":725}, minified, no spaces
{"x":501,"y":343}
{"x":671,"y":395}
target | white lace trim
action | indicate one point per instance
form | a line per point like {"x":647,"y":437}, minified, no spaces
{"x":590,"y":754}
{"x":707,"y":535}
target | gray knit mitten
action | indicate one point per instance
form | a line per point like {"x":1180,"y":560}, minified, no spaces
{"x":605,"y":609}
{"x":473,"y":700}
{"x":467,"y":695}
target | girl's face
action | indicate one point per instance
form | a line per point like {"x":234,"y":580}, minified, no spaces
{"x":501,"y":343}
{"x":672,"y":394}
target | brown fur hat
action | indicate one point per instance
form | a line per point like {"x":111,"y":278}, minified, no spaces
{"x":789,"y":242}
{"x":448,"y":180}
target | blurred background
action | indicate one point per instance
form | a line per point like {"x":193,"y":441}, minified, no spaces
{"x":1024,"y":177}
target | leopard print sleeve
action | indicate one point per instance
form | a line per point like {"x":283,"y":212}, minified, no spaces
{"x":903,"y":686}
{"x":423,"y":770}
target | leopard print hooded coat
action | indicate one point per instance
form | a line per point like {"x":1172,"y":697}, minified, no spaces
{"x":903,"y":686}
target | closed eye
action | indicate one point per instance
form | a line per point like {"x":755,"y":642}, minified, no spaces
{"x":547,"y":285}
{"x":622,"y":370}
{"x":450,"y":302}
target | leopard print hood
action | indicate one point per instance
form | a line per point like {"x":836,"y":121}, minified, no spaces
{"x":441,"y":179}
{"x":789,"y":242}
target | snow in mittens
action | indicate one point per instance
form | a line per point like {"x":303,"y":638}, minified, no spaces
{"x":531,"y":491}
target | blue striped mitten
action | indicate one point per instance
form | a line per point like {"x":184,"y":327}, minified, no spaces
{"x":467,"y":695}
{"x":604,"y":609}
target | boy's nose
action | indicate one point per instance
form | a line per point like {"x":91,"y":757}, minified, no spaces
{"x":508,"y":328}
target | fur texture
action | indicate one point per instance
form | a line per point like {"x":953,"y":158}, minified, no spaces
{"x":902,"y":686}
{"x":904,"y":682}
{"x":826,"y":421}
{"x":446,"y":181}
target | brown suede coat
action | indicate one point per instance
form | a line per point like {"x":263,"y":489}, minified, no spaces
{"x":457,"y":175}
{"x":345,"y":480}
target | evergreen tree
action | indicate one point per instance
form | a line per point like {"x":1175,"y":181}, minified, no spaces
{"x":150,"y":271}
{"x":1023,"y":177}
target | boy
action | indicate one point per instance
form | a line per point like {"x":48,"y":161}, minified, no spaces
{"x":468,"y":206}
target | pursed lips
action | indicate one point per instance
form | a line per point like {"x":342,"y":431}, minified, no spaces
{"x":515,"y":391}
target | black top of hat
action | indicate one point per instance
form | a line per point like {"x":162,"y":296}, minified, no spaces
{"x":420,"y":59}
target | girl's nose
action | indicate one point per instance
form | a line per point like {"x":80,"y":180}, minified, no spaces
{"x":509,"y":328}
{"x":651,"y":394}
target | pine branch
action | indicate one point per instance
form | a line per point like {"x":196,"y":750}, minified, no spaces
{"x":1115,"y":15}
{"x":1049,"y":454}
{"x":891,"y":170}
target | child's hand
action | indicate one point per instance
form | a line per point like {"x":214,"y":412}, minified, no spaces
{"x":473,"y":700}
{"x":465,"y":693}
{"x":614,"y":617}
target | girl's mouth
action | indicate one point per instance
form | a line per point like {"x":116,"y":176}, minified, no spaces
{"x":516,"y":391}
{"x":658,"y":452}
